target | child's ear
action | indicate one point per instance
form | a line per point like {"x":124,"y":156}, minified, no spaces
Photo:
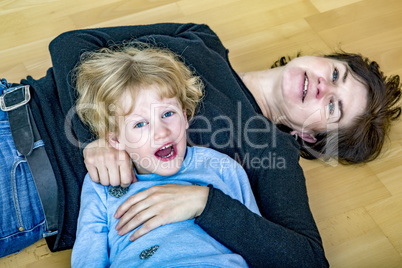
{"x":114,"y":142}
{"x":185,"y":117}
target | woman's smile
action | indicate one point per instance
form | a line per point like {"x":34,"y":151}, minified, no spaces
{"x":305,"y":87}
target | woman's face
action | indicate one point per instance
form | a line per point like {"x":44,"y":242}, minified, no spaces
{"x":320,"y":94}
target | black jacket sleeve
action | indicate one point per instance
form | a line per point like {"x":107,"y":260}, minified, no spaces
{"x":286,"y":235}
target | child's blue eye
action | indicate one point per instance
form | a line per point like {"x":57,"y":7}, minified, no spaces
{"x":167,"y":114}
{"x":335,"y":75}
{"x":141,"y":124}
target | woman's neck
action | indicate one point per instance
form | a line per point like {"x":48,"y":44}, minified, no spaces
{"x":265,"y":86}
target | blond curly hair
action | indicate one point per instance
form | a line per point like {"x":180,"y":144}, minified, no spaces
{"x":103,"y":77}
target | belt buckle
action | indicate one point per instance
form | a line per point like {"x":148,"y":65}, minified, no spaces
{"x":25,"y":100}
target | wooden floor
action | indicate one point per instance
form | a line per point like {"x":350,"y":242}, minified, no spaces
{"x":358,"y":209}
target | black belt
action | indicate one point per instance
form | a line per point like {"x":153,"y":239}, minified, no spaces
{"x":25,"y":133}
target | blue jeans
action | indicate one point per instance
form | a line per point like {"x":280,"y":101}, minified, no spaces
{"x":22,"y":220}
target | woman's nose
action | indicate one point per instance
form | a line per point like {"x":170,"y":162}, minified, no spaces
{"x":324,"y":88}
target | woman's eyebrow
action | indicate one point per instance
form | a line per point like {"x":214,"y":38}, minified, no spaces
{"x":340,"y":105}
{"x":345,"y":75}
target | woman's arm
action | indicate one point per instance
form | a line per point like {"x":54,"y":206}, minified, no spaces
{"x":160,"y":205}
{"x":286,"y":235}
{"x":107,"y":165}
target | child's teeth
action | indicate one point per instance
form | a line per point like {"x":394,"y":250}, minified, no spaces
{"x":171,"y":152}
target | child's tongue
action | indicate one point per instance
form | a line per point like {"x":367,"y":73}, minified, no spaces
{"x":164,"y":152}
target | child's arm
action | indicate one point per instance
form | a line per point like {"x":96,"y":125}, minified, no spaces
{"x":91,"y":245}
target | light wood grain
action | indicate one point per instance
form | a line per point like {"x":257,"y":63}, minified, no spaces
{"x":358,"y":209}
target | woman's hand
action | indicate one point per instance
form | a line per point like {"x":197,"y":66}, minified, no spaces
{"x":160,"y":205}
{"x":107,"y":165}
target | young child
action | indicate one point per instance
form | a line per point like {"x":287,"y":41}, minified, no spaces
{"x":140,"y":99}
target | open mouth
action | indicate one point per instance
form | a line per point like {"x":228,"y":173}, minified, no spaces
{"x":305,"y":86}
{"x":166,"y":152}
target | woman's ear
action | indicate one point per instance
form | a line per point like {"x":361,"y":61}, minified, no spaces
{"x":114,"y":142}
{"x":305,"y":136}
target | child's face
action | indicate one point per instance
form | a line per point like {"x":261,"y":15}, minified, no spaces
{"x":154,"y":133}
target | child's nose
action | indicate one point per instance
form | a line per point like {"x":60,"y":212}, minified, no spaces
{"x":161,"y":131}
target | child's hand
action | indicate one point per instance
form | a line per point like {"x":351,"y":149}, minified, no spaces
{"x":160,"y":205}
{"x":107,"y":165}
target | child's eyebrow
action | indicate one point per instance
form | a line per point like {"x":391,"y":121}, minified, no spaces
{"x":132,"y":116}
{"x":171,"y":101}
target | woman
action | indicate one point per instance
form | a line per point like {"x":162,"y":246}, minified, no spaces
{"x":319,"y":97}
{"x":229,"y":120}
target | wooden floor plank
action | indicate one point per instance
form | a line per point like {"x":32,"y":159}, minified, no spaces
{"x":358,"y":209}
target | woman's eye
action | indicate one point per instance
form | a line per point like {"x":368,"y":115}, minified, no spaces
{"x":331,"y":107}
{"x":139,"y":125}
{"x":167,"y":114}
{"x":335,"y":75}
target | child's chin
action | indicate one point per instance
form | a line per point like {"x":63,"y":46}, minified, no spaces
{"x":168,"y":168}
{"x":167,"y":171}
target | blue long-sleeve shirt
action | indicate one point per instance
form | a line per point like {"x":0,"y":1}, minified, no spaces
{"x":182,"y":244}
